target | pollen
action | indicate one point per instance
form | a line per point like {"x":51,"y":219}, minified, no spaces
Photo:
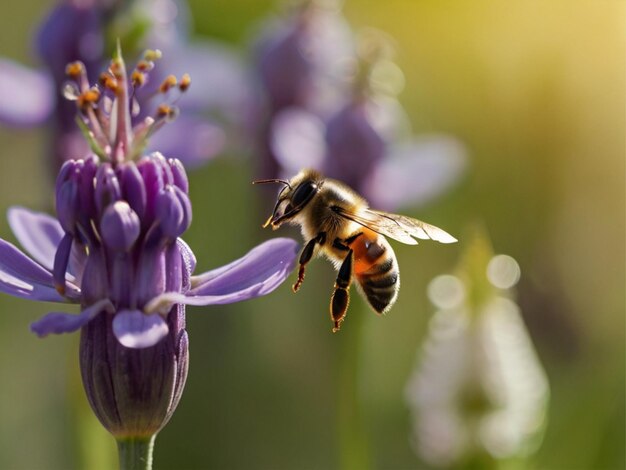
{"x":164,"y":110}
{"x":74,"y":69}
{"x":169,"y":82}
{"x":108,"y":82}
{"x":138,"y":78}
{"x":89,"y":97}
{"x":185,"y":82}
{"x":152,"y":55}
{"x":145,"y":65}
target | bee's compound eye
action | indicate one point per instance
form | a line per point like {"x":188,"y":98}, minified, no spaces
{"x":303,"y":193}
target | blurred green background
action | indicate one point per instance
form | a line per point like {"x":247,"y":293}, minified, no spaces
{"x":536,"y":91}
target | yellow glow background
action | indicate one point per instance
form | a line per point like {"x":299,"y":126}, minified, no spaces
{"x":536,"y":91}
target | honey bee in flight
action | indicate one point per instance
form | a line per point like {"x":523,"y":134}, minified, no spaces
{"x":339,"y":223}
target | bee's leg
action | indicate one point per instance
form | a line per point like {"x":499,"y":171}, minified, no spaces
{"x":305,"y":257}
{"x":341,"y":295}
{"x":344,"y":244}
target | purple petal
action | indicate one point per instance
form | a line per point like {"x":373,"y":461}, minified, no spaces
{"x":133,"y":188}
{"x":17,"y":287}
{"x":26,"y":96}
{"x":194,"y":141}
{"x":58,"y":322}
{"x":257,"y":273}
{"x":415,"y":172}
{"x":22,"y":277}
{"x":298,"y":140}
{"x":119,"y":227}
{"x":189,"y":260}
{"x":61,"y":261}
{"x":38,"y":233}
{"x":135,"y":329}
{"x":353,"y":145}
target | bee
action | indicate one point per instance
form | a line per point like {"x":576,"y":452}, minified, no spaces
{"x":338,"y":223}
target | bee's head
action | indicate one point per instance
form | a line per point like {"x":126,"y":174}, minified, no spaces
{"x":294,"y":197}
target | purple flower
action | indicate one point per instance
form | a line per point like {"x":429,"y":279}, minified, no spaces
{"x":354,"y":146}
{"x":360,"y":136}
{"x":300,"y":60}
{"x":79,"y":31}
{"x":115,"y":249}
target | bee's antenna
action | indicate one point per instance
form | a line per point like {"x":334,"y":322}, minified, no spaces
{"x":286,"y":183}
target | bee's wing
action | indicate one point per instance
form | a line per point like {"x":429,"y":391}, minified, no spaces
{"x":399,"y":227}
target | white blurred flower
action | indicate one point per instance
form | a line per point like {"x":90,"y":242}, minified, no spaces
{"x":478,"y":388}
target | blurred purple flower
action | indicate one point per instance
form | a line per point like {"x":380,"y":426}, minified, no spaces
{"x":115,"y":249}
{"x":300,"y":58}
{"x":353,"y":146}
{"x":299,"y":63}
{"x":332,"y":108}
{"x":81,"y":30}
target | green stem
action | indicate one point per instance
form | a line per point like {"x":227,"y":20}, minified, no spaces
{"x":353,"y":442}
{"x":136,"y":452}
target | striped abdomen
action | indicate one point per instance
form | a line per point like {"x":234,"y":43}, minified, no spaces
{"x":376,"y":270}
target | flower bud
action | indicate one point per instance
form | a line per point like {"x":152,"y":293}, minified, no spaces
{"x":353,"y":145}
{"x":85,"y":187}
{"x":133,"y":188}
{"x":179,"y":174}
{"x":153,"y":182}
{"x":107,"y":189}
{"x":66,"y":195}
{"x":170,"y":213}
{"x":119,"y":227}
{"x":134,"y":392}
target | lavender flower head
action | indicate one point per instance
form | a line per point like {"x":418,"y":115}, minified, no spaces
{"x":84,"y":30}
{"x":362,"y":136}
{"x":115,"y":249}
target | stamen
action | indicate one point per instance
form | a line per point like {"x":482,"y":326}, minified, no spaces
{"x":138,"y":78}
{"x":109,"y":82}
{"x":145,"y":65}
{"x":169,"y":82}
{"x":106,"y":108}
{"x":185,"y":82}
{"x":163,"y":110}
{"x":74,"y":70}
{"x":152,"y":55}
{"x":117,"y":68}
{"x":88,"y":99}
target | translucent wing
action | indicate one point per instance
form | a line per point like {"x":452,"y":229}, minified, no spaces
{"x":399,"y":227}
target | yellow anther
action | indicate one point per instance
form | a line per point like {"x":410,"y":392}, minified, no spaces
{"x":74,"y":69}
{"x":152,"y":54}
{"x":91,"y":96}
{"x":169,"y":82}
{"x":109,"y":82}
{"x":138,"y":78}
{"x":185,"y":82}
{"x":164,"y":110}
{"x":145,"y":65}
{"x":116,"y":68}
